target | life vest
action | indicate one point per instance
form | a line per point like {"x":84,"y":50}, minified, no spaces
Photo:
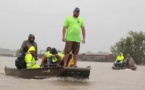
{"x":30,"y":61}
{"x":49,"y":55}
{"x":71,"y":62}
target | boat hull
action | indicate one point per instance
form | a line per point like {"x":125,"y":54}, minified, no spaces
{"x":43,"y":73}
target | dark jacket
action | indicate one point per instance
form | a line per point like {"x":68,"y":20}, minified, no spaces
{"x":25,"y":46}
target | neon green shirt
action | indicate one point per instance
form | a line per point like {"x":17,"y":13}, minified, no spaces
{"x":73,"y":26}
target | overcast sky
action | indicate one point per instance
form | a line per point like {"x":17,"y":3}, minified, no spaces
{"x":106,"y":21}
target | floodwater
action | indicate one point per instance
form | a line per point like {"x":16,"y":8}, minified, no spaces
{"x":102,"y":77}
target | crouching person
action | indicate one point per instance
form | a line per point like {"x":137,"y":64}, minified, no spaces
{"x":53,"y":57}
{"x":44,"y":62}
{"x":30,"y":58}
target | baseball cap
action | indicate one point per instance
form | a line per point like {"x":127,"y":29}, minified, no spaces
{"x":77,"y":9}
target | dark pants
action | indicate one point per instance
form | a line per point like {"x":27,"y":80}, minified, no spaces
{"x":118,"y":64}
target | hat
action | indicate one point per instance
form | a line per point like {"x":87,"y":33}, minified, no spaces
{"x":77,"y":9}
{"x":53,"y":51}
{"x":32,"y":48}
{"x":31,"y":36}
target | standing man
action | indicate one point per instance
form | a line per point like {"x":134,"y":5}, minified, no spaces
{"x":71,"y":35}
{"x":27,"y":44}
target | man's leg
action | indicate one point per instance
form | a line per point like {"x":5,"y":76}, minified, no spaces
{"x":75,"y":51}
{"x":75,"y":57}
{"x":68,"y":48}
{"x":65,"y":59}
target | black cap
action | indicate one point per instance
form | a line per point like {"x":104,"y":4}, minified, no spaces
{"x":53,"y":51}
{"x":77,"y":9}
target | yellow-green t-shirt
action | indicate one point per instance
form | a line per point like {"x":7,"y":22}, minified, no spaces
{"x":73,"y":26}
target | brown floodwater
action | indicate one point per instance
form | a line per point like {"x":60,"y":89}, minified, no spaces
{"x":102,"y":77}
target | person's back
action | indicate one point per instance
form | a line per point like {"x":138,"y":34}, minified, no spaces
{"x":30,"y":59}
{"x":130,"y":62}
{"x":20,"y":62}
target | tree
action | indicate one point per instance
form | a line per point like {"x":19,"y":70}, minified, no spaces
{"x":133,"y":44}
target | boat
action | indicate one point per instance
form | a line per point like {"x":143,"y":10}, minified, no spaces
{"x":43,"y":73}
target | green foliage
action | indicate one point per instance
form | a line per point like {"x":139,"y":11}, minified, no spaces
{"x":133,"y":44}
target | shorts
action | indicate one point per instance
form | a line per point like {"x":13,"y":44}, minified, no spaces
{"x":71,"y":46}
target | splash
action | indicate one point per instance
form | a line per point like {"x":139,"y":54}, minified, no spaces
{"x":67,"y":79}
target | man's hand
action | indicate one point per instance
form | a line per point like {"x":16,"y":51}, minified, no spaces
{"x":56,"y":55}
{"x":53,"y":56}
{"x":83,"y":41}
{"x":64,"y":39}
{"x":63,"y":34}
{"x":36,"y":58}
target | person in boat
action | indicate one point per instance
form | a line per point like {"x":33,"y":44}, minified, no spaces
{"x":27,"y":43}
{"x":53,"y":57}
{"x":44,"y":59}
{"x":130,"y":62}
{"x":70,"y":61}
{"x":30,"y":58}
{"x":119,"y":59}
{"x":73,"y":25}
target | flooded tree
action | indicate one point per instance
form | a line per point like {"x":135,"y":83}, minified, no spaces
{"x":133,"y":44}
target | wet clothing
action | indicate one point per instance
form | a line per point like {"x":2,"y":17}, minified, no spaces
{"x":72,"y":46}
{"x":120,"y":58}
{"x":30,"y":62}
{"x":73,"y":26}
{"x":26,"y":44}
{"x":30,"y":59}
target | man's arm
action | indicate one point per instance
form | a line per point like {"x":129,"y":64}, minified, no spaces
{"x":43,"y":59}
{"x":65,"y":25}
{"x":83,"y":34}
{"x":63,"y":34}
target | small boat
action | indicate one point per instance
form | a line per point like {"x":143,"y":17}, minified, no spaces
{"x":42,"y":73}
